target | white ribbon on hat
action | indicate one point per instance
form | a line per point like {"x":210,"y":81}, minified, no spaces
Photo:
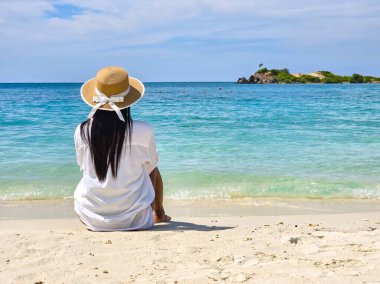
{"x":102,"y":99}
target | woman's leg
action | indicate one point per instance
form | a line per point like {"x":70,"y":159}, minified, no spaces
{"x":158,"y":208}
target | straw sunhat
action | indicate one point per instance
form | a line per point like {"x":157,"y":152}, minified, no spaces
{"x":112,"y":89}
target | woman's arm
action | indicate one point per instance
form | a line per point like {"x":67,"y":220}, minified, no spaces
{"x":157,"y":205}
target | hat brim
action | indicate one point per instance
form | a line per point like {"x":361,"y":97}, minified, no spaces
{"x":136,"y":92}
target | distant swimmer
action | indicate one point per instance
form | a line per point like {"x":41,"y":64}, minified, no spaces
{"x":219,"y":88}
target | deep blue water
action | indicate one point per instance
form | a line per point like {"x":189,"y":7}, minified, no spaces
{"x":242,"y":140}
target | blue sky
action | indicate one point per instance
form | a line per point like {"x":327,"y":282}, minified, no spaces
{"x":185,"y":40}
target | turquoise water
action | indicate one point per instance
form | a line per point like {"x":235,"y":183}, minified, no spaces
{"x":243,"y":140}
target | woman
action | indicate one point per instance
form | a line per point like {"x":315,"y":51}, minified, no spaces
{"x":121,"y":188}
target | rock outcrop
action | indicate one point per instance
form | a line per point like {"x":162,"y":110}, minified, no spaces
{"x":242,"y":80}
{"x":262,"y":78}
{"x":258,"y":78}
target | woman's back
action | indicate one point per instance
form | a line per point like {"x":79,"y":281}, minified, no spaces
{"x":124,"y":202}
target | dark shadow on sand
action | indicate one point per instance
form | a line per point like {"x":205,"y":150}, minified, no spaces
{"x":185,"y":226}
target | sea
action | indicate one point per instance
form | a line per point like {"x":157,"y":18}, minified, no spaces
{"x":216,"y":140}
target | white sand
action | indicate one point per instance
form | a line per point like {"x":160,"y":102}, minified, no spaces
{"x":317,"y":74}
{"x":333,"y":248}
{"x":313,"y":74}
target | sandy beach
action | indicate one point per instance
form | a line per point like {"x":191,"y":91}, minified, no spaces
{"x":249,"y":241}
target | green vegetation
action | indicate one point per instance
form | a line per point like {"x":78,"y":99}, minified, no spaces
{"x":357,"y":78}
{"x":262,"y":70}
{"x":330,"y":78}
{"x":285,"y":77}
{"x":371,"y":79}
{"x":308,"y":79}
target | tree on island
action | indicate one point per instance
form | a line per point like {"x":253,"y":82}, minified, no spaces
{"x":357,"y":78}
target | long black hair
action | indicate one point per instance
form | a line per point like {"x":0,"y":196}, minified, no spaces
{"x":105,"y":138}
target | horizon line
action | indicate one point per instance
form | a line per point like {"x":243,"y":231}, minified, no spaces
{"x":147,"y":82}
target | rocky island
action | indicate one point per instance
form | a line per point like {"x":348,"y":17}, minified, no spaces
{"x":283,"y":76}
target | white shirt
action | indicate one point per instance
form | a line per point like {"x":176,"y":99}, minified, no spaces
{"x":121,"y":203}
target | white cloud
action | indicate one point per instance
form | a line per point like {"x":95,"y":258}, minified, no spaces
{"x":180,"y":18}
{"x":112,"y":26}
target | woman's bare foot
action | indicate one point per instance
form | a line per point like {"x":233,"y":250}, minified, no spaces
{"x":160,"y":216}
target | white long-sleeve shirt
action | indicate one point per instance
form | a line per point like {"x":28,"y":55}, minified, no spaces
{"x":121,"y":203}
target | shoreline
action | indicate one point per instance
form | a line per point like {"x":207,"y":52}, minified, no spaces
{"x":260,"y":206}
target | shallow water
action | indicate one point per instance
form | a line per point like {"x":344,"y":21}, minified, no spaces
{"x":242,"y":140}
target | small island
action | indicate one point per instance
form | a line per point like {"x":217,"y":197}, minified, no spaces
{"x":283,"y":76}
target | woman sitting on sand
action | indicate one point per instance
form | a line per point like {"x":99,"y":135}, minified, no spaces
{"x":121,"y":188}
